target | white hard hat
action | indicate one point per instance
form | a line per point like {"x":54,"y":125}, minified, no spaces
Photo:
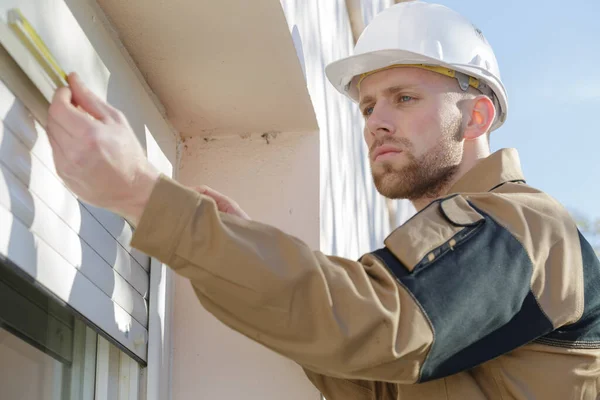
{"x":423,"y":35}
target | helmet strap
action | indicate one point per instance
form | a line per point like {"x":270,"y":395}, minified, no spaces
{"x":463,"y":81}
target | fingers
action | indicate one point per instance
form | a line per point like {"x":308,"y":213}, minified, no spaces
{"x":66,"y":150}
{"x":65,"y":114}
{"x":58,"y":134}
{"x":224,"y":203}
{"x":89,"y":102}
{"x":207,"y":191}
{"x":71,"y":152}
{"x":58,"y":154}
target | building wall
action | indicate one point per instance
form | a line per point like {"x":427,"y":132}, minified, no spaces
{"x":354,"y":216}
{"x":81,"y":40}
{"x":277,"y":180}
{"x":314,"y":185}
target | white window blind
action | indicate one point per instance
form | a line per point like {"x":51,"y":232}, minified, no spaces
{"x":78,"y":252}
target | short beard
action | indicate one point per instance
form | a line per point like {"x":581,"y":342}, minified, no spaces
{"x":424,"y":177}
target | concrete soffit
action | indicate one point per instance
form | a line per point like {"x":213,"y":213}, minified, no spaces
{"x":218,"y":67}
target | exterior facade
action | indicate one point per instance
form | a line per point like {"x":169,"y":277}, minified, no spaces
{"x":227,"y":94}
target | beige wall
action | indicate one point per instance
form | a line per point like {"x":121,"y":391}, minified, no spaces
{"x":281,"y":183}
{"x":275,"y":182}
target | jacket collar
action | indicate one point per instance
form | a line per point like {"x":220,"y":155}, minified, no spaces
{"x":500,"y":167}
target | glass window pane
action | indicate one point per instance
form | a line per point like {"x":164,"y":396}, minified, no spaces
{"x":46,"y":352}
{"x":117,"y":374}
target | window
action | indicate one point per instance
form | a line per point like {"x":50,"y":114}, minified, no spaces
{"x":49,"y":353}
{"x":86,"y":316}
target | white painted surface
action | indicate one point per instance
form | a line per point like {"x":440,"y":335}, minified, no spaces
{"x":156,"y":382}
{"x":354,"y":216}
{"x":54,"y":198}
{"x":34,"y":164}
{"x":77,"y":34}
{"x":47,"y":226}
{"x":41,"y":229}
{"x":51,"y":270}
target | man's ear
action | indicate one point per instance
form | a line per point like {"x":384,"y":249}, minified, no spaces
{"x":480,"y":118}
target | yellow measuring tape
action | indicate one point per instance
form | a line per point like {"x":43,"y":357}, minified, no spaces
{"x":29,"y":37}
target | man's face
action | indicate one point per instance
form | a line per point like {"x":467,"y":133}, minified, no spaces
{"x":413,"y":131}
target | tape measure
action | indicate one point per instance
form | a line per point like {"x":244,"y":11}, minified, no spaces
{"x":36,"y":46}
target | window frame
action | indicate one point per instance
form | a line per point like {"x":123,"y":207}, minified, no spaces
{"x":157,"y":374}
{"x":150,"y":382}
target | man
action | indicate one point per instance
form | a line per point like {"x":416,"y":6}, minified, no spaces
{"x":489,"y":292}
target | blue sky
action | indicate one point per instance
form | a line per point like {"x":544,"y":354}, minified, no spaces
{"x":549,"y":57}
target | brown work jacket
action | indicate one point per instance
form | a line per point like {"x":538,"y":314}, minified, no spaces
{"x":490,"y":292}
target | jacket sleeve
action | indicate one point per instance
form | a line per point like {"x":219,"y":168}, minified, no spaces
{"x":452,"y":287}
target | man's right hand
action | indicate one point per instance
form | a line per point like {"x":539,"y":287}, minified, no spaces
{"x":97,"y":154}
{"x":224,"y":203}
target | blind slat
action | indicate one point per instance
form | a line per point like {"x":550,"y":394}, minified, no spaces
{"x":80,"y":253}
{"x":51,"y":270}
{"x":54,"y":194}
{"x":31,"y":134}
{"x":40,"y":220}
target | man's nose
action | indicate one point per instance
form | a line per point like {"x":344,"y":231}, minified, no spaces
{"x":380,"y":122}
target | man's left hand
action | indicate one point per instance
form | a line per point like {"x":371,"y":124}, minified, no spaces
{"x":224,"y":203}
{"x":96,"y":152}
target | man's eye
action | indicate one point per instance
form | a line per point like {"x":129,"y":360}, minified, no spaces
{"x":404,"y":99}
{"x":368,"y":111}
